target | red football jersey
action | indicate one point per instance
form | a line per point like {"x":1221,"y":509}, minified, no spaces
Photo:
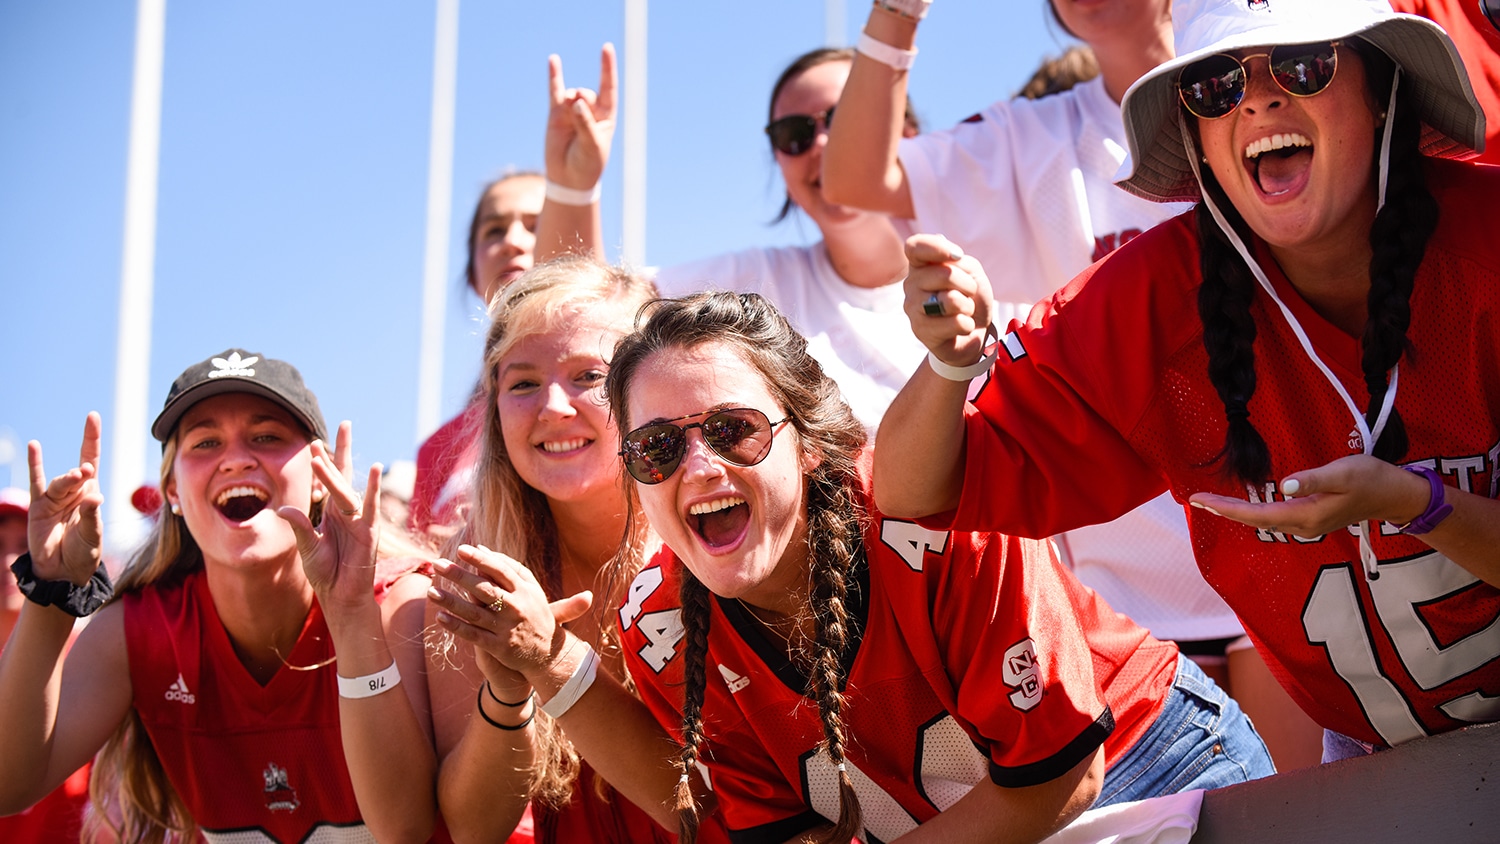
{"x":1102,"y":400}
{"x":256,"y":763}
{"x":972,"y":655}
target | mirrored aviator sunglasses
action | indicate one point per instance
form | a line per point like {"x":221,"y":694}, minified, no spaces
{"x":740,"y":435}
{"x":795,"y":133}
{"x":1212,"y":87}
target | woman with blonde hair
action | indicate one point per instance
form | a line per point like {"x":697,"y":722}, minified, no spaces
{"x":547,"y":490}
{"x":237,"y":682}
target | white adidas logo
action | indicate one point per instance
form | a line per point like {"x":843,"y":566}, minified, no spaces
{"x":734,"y":681}
{"x":234,"y":365}
{"x":178,"y":691}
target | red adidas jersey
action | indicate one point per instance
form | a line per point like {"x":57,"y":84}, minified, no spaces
{"x":252,"y":763}
{"x":973,"y":655}
{"x":1102,"y":400}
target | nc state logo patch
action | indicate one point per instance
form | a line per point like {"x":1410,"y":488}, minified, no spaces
{"x":1023,"y":674}
{"x":1259,"y":5}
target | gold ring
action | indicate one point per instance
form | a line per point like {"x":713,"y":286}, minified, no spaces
{"x":498,"y":604}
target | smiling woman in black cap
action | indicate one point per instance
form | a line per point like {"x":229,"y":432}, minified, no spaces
{"x":208,"y":675}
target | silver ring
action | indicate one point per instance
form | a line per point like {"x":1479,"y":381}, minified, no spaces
{"x":933,"y":306}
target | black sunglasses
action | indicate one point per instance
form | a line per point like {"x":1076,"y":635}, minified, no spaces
{"x":741,"y":435}
{"x":795,"y":133}
{"x":1212,"y":87}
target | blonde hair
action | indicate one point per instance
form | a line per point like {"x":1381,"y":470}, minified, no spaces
{"x":505,"y":513}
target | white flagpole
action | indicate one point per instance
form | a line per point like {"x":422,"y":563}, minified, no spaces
{"x":835,"y":23}
{"x":633,"y":192}
{"x":439,"y":213}
{"x":127,"y":454}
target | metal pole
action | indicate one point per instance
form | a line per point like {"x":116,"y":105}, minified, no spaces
{"x":634,"y":189}
{"x":835,"y":23}
{"x":439,"y":212}
{"x":127,"y":454}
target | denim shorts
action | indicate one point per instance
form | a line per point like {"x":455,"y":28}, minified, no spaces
{"x":1201,"y":739}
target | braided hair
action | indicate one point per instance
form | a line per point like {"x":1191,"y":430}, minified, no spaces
{"x":835,"y":514}
{"x":1398,"y":238}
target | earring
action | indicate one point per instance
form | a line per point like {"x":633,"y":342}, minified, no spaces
{"x":176,"y":509}
{"x":1382,"y":115}
{"x":317,"y":496}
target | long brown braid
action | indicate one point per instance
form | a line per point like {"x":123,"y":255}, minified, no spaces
{"x":827,"y":429}
{"x":1398,"y":238}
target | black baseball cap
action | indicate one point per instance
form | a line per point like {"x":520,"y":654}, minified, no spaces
{"x":239,"y":371}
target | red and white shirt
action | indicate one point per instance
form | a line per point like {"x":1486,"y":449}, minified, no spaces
{"x":973,"y":655}
{"x":1102,"y":400}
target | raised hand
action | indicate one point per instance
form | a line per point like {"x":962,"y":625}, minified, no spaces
{"x":506,"y":615}
{"x":63,"y":526}
{"x":1331,"y":497}
{"x":948,"y":299}
{"x":580,"y":125}
{"x":338,"y":555}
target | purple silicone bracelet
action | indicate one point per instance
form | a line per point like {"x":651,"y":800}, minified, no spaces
{"x":1437,"y":508}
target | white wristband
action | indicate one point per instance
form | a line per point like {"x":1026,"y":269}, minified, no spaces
{"x":963,"y":373}
{"x":370,"y":685}
{"x":572,"y":196}
{"x":892,"y":57}
{"x":582,"y":679}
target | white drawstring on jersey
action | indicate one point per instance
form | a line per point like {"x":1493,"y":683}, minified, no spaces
{"x":1368,"y":435}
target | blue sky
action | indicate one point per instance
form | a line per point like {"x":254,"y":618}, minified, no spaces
{"x":293,"y":169}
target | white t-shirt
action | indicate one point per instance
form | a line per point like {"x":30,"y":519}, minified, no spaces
{"x":859,"y":335}
{"x":1027,"y":187}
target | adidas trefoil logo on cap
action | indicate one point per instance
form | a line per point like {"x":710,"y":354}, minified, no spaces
{"x":178,"y":691}
{"x":234,"y":365}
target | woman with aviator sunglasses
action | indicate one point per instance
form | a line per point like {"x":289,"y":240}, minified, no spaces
{"x":831,"y":667}
{"x":1320,"y":364}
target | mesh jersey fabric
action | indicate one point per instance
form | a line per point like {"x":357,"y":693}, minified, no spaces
{"x":1116,"y":365}
{"x":977,"y":655}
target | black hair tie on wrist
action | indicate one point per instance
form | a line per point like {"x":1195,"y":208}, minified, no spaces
{"x":522,"y":702}
{"x":77,"y":601}
{"x":479,"y":702}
